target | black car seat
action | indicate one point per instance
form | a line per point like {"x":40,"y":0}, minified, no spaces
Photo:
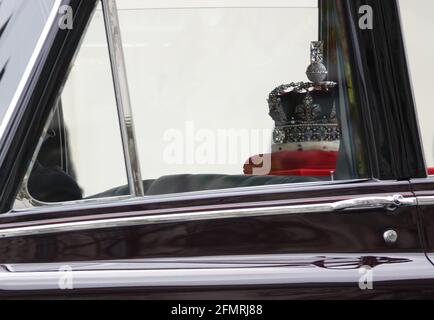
{"x":51,"y":184}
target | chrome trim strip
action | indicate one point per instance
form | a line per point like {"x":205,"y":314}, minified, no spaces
{"x":93,"y":203}
{"x":161,"y":278}
{"x":29,"y":68}
{"x":389,"y":202}
{"x":199,"y":262}
{"x":123,"y":101}
{"x":425,"y":200}
{"x":339,"y":206}
{"x":38,"y":277}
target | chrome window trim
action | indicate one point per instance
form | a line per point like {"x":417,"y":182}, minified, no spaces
{"x":425,"y":200}
{"x":123,"y":101}
{"x":93,"y":203}
{"x":29,"y":68}
{"x":146,"y":219}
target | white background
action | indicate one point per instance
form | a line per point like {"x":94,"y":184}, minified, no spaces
{"x":418,"y":24}
{"x":210,"y":67}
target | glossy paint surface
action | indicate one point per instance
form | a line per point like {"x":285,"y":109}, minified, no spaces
{"x":383,"y":90}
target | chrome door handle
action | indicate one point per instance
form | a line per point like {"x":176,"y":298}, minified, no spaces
{"x":390,"y":203}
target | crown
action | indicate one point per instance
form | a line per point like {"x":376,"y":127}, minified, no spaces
{"x":305,"y":111}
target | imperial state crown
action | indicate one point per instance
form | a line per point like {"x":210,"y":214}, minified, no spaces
{"x":306,"y":135}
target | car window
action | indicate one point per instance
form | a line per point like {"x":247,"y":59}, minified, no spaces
{"x":417,"y":19}
{"x":217,"y":88}
{"x":80,"y":153}
{"x":224,"y":94}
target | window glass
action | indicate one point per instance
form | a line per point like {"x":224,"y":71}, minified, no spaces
{"x":225,"y":94}
{"x":81,"y":154}
{"x":200,"y":76}
{"x":416,"y":21}
{"x":205,"y":80}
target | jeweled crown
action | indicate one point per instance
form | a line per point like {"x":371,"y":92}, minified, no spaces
{"x":305,"y":111}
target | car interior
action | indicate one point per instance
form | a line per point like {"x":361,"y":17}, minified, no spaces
{"x":313,"y":141}
{"x":53,"y":180}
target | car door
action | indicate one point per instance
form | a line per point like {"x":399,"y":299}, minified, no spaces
{"x":303,"y":243}
{"x":346,"y":238}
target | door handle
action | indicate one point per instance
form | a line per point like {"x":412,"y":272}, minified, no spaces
{"x":389,"y":203}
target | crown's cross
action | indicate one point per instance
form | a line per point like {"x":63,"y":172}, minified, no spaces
{"x":316,"y":71}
